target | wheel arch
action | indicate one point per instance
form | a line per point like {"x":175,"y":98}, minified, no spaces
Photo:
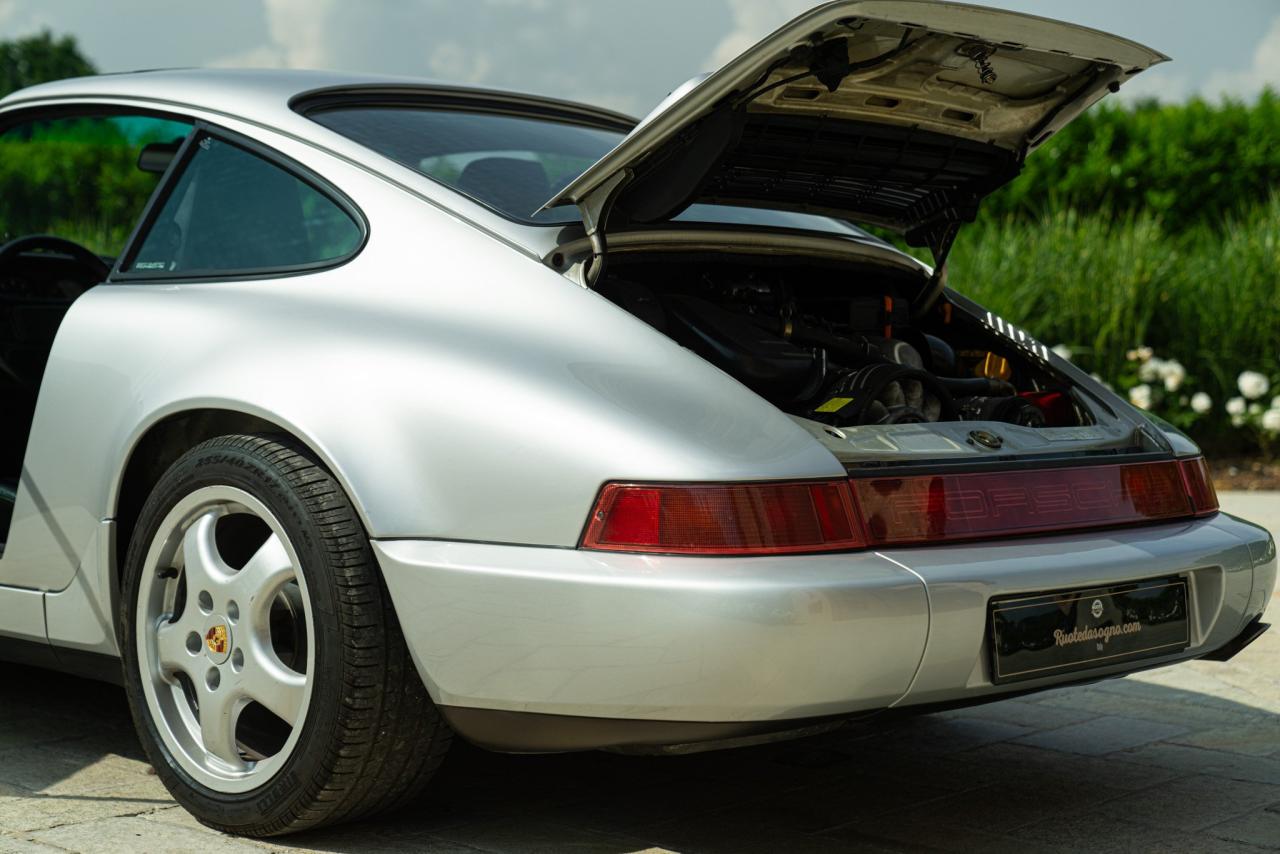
{"x":158,"y":444}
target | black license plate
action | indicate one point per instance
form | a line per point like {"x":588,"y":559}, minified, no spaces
{"x":1051,"y":633}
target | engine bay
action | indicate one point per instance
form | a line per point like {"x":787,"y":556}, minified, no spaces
{"x":843,"y":346}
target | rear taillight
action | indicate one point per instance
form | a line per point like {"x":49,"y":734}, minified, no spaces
{"x":729,"y":519}
{"x":839,"y":515}
{"x":1204,"y":498}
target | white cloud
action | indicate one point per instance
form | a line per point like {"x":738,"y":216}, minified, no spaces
{"x":297,"y":31}
{"x":752,"y":21}
{"x":1168,"y":84}
{"x":300,"y":28}
{"x":577,"y":49}
{"x":19,"y":18}
{"x":1162,"y":83}
{"x":1264,"y":71}
{"x":452,"y":61}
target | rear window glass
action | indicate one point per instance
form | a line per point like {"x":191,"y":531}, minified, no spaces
{"x":514,"y":164}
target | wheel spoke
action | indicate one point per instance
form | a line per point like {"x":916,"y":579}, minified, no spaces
{"x":273,"y":685}
{"x":203,"y":565}
{"x":219,"y":714}
{"x":171,"y":646}
{"x":265,"y":572}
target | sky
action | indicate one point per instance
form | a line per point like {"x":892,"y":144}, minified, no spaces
{"x":623,"y":54}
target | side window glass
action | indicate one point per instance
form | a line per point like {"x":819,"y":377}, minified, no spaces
{"x":86,"y":179}
{"x":232,"y":211}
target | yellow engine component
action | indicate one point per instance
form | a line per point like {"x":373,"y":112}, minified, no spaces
{"x":992,"y":367}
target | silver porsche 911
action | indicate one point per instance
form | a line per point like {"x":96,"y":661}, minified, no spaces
{"x":346,"y":414}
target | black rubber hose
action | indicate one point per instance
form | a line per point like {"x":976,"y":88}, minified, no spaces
{"x":976,"y":387}
{"x":859,"y":350}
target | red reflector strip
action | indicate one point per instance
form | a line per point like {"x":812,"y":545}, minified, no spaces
{"x":1204,"y":498}
{"x":842,"y":515}
{"x":728,"y":519}
{"x":942,"y":508}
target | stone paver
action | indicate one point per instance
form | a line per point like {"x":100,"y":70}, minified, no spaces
{"x":1179,"y":759}
{"x":1261,"y":829}
{"x":1103,"y":735}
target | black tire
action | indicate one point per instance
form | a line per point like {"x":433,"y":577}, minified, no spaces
{"x":371,"y":737}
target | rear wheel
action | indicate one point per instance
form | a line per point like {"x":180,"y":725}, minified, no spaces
{"x":269,"y":682}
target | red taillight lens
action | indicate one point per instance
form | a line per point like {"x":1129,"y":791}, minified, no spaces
{"x":1204,"y":498}
{"x":729,"y":519}
{"x":943,"y":508}
{"x":789,"y":518}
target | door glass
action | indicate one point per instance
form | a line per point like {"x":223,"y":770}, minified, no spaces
{"x":79,"y":178}
{"x":234,"y":212}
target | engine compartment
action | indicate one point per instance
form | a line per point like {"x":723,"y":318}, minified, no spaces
{"x":843,"y":346}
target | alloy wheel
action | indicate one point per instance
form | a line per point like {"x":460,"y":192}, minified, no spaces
{"x":225,"y":639}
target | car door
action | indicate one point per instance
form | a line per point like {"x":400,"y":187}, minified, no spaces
{"x":79,"y":175}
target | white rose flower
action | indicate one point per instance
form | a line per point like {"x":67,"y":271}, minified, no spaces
{"x":1149,"y":372}
{"x":1275,"y":402}
{"x":1140,"y":354}
{"x":1253,"y":385}
{"x":1173,"y":375}
{"x":1140,"y":396}
{"x":1063,"y":351}
{"x":1255,"y":409}
{"x":1237,"y":420}
{"x":1237,"y":406}
{"x":1271,"y":421}
{"x":1201,"y":403}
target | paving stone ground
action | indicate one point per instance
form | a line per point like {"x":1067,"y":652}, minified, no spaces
{"x":1185,"y":758}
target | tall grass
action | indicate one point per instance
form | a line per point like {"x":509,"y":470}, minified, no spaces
{"x":1101,"y":284}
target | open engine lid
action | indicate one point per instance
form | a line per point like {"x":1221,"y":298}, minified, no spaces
{"x":901,"y":113}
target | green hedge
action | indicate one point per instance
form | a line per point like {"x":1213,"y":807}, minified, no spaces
{"x":1188,"y":164}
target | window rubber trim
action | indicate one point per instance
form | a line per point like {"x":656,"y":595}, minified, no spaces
{"x":390,"y":96}
{"x":121,"y":274}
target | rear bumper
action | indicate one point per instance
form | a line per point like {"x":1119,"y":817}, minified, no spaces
{"x":687,"y":649}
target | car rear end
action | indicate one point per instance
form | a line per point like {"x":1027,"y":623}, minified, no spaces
{"x":848,"y":489}
{"x":711,"y":612}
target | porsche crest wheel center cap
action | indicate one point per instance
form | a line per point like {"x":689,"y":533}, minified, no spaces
{"x":217,"y":639}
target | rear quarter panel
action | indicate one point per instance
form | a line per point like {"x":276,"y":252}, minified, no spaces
{"x":457,"y":388}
